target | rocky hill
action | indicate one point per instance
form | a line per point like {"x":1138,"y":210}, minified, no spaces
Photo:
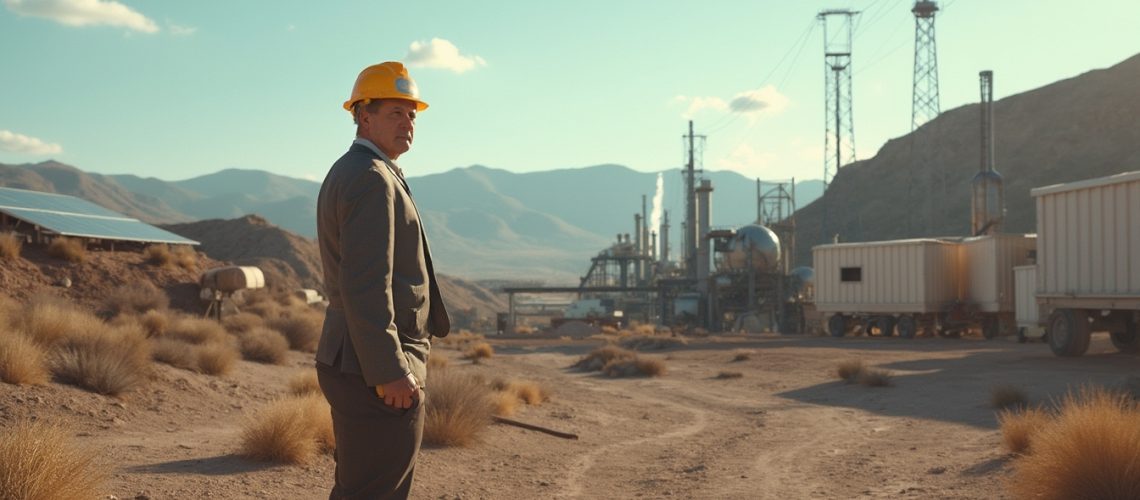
{"x":919,"y":184}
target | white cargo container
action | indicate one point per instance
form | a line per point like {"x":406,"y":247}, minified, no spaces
{"x":989,"y":287}
{"x":880,"y":283}
{"x":1027,"y":310}
{"x":1088,"y":261}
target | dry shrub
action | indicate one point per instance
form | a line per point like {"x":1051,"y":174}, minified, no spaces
{"x":10,"y":244}
{"x":636,"y":328}
{"x":154,"y":323}
{"x":1091,"y":450}
{"x":241,"y":322}
{"x":728,"y":375}
{"x":49,"y":320}
{"x":175,"y":353}
{"x":505,"y":403}
{"x":741,"y":355}
{"x":525,"y":329}
{"x":184,"y":256}
{"x":196,"y":331}
{"x":609,"y":330}
{"x":850,"y":370}
{"x":1007,"y":396}
{"x":479,"y":351}
{"x":136,"y":298}
{"x":40,"y":461}
{"x":263,"y":346}
{"x":261,"y":304}
{"x":216,"y":358}
{"x":69,"y":249}
{"x":876,"y":378}
{"x":459,"y":339}
{"x":651,"y":342}
{"x":635,"y":367}
{"x":437,"y":362}
{"x":304,"y":383}
{"x":109,"y":361}
{"x":458,"y":409}
{"x":159,"y":255}
{"x":531,"y":393}
{"x":602,"y":356}
{"x":1020,"y":426}
{"x":21,"y":360}
{"x":301,"y":329}
{"x":288,"y":431}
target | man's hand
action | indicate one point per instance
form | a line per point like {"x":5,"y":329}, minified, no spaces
{"x":399,"y":393}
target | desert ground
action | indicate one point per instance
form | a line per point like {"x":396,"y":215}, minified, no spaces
{"x":786,"y":427}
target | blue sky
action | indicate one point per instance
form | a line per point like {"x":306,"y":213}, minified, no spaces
{"x":179,"y":89}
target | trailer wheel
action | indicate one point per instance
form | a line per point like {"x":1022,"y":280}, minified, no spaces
{"x":868,"y":327}
{"x":907,"y":326}
{"x":1069,"y":332}
{"x":837,"y":325}
{"x":1127,"y":341}
{"x":886,"y":325}
{"x":991,"y":327}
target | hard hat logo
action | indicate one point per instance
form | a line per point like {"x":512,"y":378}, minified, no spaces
{"x":389,"y":80}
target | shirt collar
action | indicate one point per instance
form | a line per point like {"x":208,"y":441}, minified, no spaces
{"x":368,"y":144}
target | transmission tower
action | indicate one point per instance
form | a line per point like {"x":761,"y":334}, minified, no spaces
{"x":925,"y":103}
{"x":839,"y":139}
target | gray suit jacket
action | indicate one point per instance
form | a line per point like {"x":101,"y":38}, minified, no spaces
{"x":384,"y":302}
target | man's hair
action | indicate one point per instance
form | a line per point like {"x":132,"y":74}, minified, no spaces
{"x":366,"y":105}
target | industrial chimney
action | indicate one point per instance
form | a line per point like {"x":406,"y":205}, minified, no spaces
{"x":987,"y":202}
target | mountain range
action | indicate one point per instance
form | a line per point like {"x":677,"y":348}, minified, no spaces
{"x":482,"y":222}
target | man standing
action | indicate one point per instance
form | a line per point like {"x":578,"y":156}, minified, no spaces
{"x":384,"y":303}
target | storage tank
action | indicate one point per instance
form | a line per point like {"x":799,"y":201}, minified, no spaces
{"x":803,"y":281}
{"x":753,"y":244}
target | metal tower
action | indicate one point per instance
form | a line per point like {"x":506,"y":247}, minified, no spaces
{"x":987,"y":203}
{"x":839,"y":137}
{"x":925,"y":102}
{"x":690,"y":229}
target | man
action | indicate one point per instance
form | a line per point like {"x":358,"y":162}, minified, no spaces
{"x":384,"y":303}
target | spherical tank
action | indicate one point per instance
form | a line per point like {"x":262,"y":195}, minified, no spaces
{"x":803,"y":280}
{"x":753,"y":245}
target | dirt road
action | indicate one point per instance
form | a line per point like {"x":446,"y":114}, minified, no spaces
{"x":784,"y":428}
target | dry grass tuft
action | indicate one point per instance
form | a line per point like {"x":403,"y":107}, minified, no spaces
{"x":175,"y":353}
{"x":184,"y":256}
{"x":437,"y":362}
{"x":1091,"y":450}
{"x":69,"y":249}
{"x":525,"y":330}
{"x":263,"y":346}
{"x":241,"y":322}
{"x":1020,"y":426}
{"x":651,"y":342}
{"x":21,"y":360}
{"x":850,"y":370}
{"x":459,"y":408}
{"x":459,"y":339}
{"x":301,"y":329}
{"x":531,"y":393}
{"x":136,"y":298}
{"x":729,"y":375}
{"x":305,"y":383}
{"x":39,"y":461}
{"x":216,"y":358}
{"x":288,"y":431}
{"x":635,"y":367}
{"x":876,"y":378}
{"x":1008,"y":396}
{"x":49,"y":320}
{"x":602,"y":356}
{"x":154,"y":323}
{"x":505,"y":403}
{"x":741,"y":355}
{"x":109,"y":361}
{"x":158,"y":255}
{"x":196,"y":331}
{"x":10,"y":245}
{"x":479,"y":351}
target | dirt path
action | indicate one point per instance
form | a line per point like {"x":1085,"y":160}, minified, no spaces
{"x":784,"y":428}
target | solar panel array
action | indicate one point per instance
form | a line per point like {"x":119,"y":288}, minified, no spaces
{"x":71,"y":216}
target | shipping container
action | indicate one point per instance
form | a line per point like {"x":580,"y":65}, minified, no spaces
{"x":1088,"y":261}
{"x":989,"y":269}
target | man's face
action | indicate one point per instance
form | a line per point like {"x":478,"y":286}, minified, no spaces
{"x":390,"y":128}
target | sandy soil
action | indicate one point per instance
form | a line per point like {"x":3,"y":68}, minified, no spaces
{"x":786,"y":428}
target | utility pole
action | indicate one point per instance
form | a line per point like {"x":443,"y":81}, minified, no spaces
{"x":690,"y":225}
{"x":924,"y":105}
{"x":839,"y":133}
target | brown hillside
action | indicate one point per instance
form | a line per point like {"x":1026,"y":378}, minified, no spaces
{"x":55,"y":177}
{"x":919,"y":184}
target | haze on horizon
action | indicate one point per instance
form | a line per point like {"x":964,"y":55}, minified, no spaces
{"x":178,"y":90}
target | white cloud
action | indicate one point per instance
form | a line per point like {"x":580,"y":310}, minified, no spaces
{"x":765,"y":101}
{"x":747,"y":161}
{"x":695,"y":105}
{"x":177,"y":30}
{"x":19,"y":143}
{"x":84,"y":13}
{"x":441,"y":54}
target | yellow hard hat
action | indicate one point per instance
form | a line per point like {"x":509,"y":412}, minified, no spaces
{"x":387,"y":80}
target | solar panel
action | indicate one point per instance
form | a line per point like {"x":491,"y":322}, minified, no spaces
{"x":71,"y":216}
